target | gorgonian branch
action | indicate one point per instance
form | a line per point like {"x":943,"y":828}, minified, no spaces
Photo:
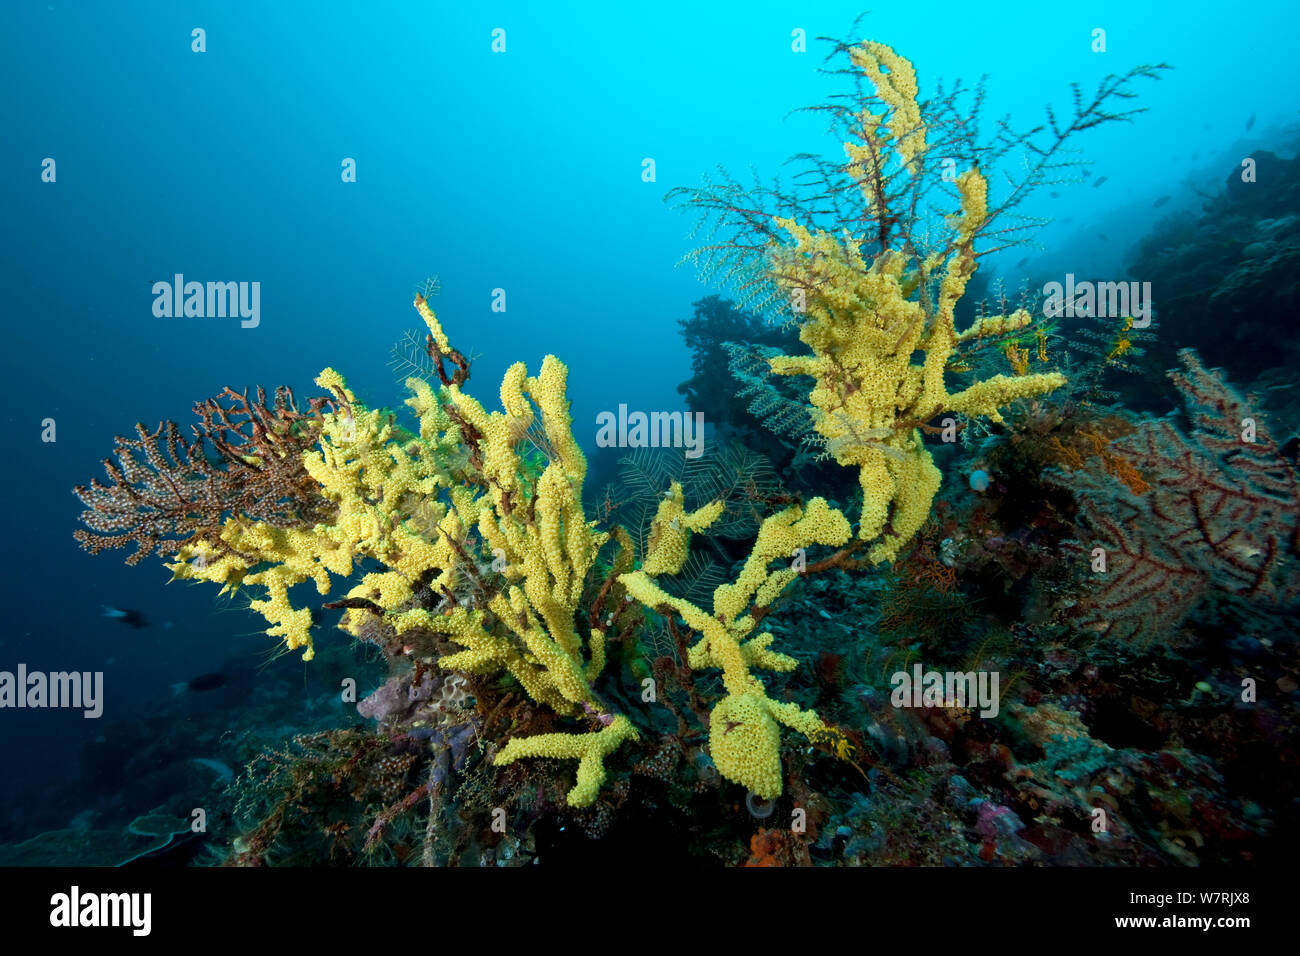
{"x":165,"y":492}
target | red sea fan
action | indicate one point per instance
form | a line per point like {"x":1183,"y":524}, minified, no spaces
{"x":1221,"y":515}
{"x":165,"y":492}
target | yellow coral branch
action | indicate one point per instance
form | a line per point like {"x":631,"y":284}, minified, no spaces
{"x":744,"y":741}
{"x":590,"y":750}
{"x":863,"y":322}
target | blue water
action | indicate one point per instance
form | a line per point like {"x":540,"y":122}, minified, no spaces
{"x":520,"y":170}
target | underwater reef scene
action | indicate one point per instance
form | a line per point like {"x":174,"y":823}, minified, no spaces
{"x":924,"y":570}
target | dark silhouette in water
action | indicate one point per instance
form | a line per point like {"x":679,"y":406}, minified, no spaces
{"x":202,"y":683}
{"x":126,"y":616}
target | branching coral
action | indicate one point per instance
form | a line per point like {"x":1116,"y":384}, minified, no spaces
{"x":166,"y":492}
{"x":871,"y":274}
{"x":869,"y":291}
{"x":863,"y":329}
{"x":1092,"y":441}
{"x":489,"y":564}
{"x":743,"y":734}
{"x":364,"y":464}
{"x":414,"y":503}
{"x":868,"y":298}
{"x":308,"y":500}
{"x":1216,"y":513}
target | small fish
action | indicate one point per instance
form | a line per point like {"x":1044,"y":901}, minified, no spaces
{"x":1160,"y":202}
{"x":1055,"y":195}
{"x":1250,"y":123}
{"x":1021,"y":263}
{"x":125,"y":615}
{"x":1099,"y":181}
{"x":1087,"y":172}
{"x":1102,"y":236}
